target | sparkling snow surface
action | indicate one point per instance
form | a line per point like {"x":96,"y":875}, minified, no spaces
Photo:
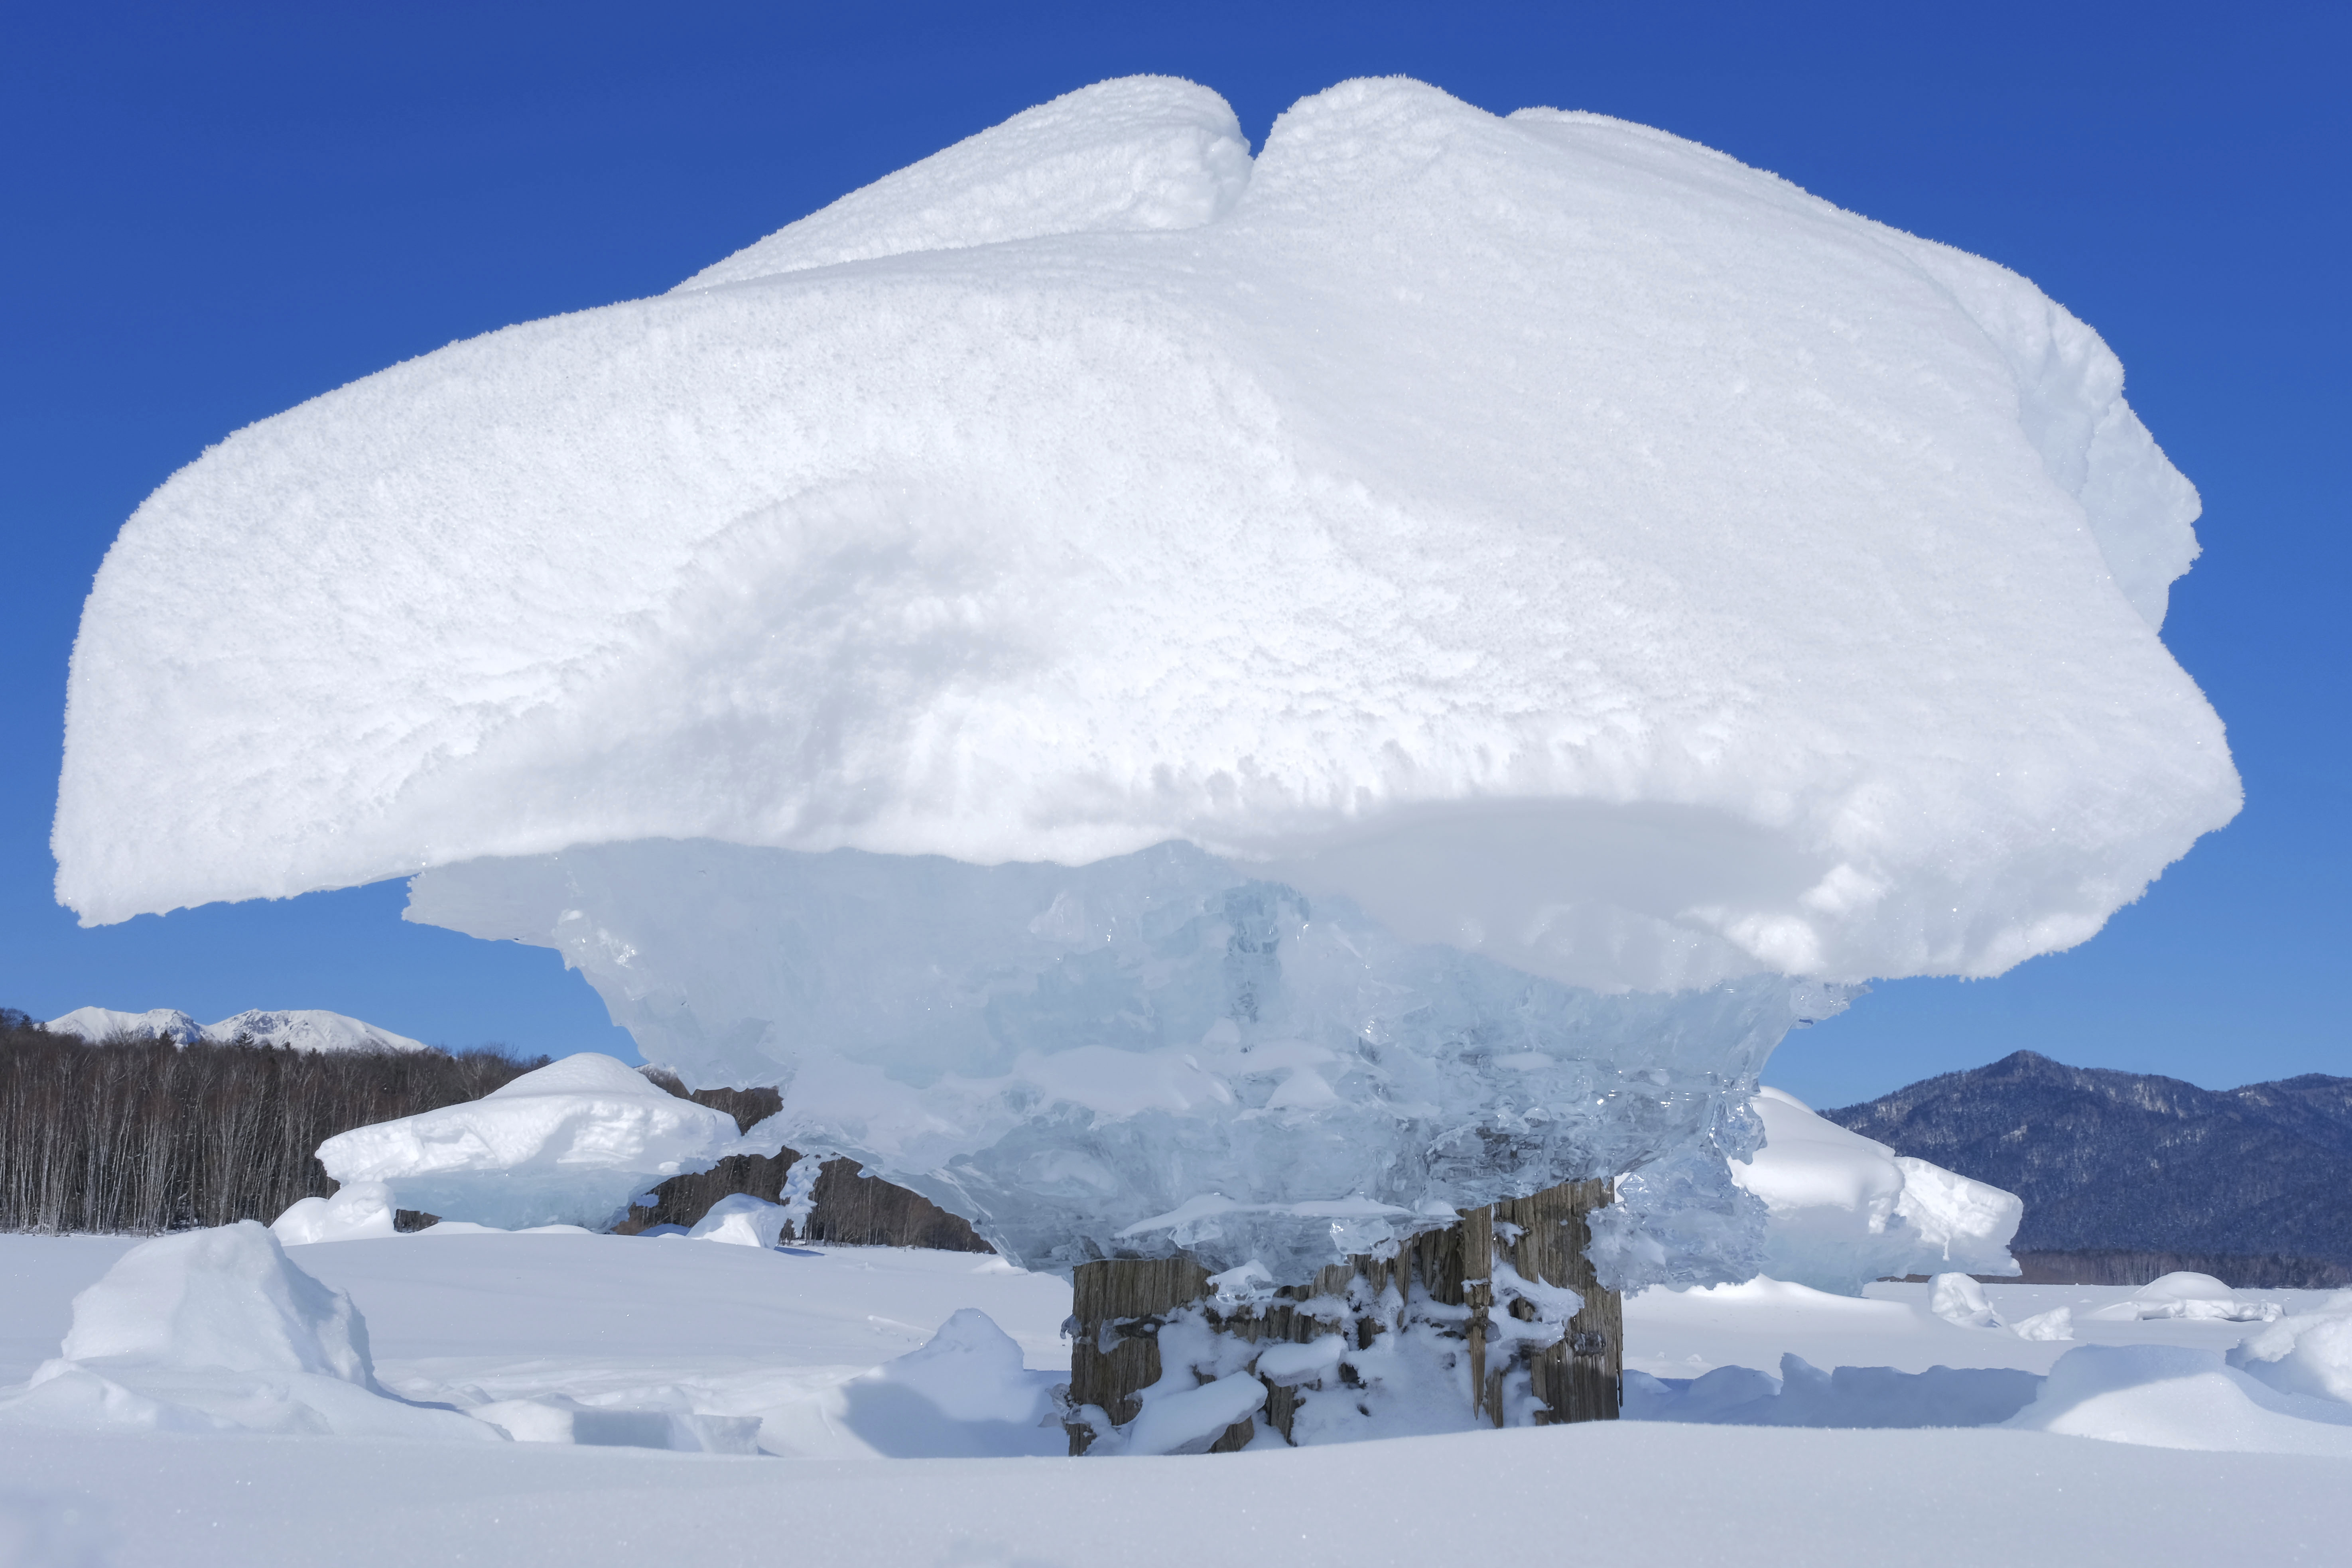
{"x":816,"y":1345}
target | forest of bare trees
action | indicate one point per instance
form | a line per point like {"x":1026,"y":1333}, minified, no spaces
{"x":140,"y":1136}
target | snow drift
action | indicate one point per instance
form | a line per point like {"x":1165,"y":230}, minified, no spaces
{"x":569,"y":1144}
{"x":215,"y":1331}
{"x":1390,"y":673}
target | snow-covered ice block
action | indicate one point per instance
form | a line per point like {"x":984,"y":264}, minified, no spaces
{"x":965,"y":1393}
{"x":742,"y":1220}
{"x":1960,"y":1301}
{"x":570,"y":1144}
{"x":358,"y":1209}
{"x":1845,"y":1209}
{"x":1154,"y":1052}
{"x":217,"y":1331}
{"x":2056,"y":1324}
{"x":2307,"y":1352}
{"x":2172,"y":1396}
{"x":2200,"y":1297}
{"x":1438,"y":623}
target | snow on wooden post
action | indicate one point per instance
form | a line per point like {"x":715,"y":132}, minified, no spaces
{"x":1440,"y":1290}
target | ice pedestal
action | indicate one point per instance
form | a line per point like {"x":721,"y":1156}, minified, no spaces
{"x":1154,"y":1053}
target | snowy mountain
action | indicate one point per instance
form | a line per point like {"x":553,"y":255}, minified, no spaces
{"x":303,"y":1028}
{"x":2132,"y":1160}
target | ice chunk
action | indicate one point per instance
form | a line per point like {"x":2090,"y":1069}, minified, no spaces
{"x":799,"y":1195}
{"x":2200,"y":1297}
{"x":2308,"y":1353}
{"x":741,"y":1219}
{"x":358,"y":1210}
{"x":1959,"y":1300}
{"x":570,"y":1144}
{"x":1966,"y":1224}
{"x":215,"y":1330}
{"x":2058,"y":1323}
{"x":1152,"y":1053}
{"x":1595,"y":523}
{"x":1846,"y":1210}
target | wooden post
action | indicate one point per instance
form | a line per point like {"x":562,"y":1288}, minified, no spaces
{"x":1123,"y":1300}
{"x":1119,"y":1304}
{"x":1580,"y":1378}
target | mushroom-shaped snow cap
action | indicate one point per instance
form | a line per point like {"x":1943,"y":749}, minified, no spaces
{"x":1565,"y":542}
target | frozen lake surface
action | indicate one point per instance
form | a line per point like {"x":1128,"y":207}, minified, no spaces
{"x":786,"y":1336}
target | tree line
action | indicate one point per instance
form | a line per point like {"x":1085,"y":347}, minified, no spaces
{"x":143,"y":1136}
{"x":130,"y":1136}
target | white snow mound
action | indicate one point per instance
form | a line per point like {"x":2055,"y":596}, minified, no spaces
{"x":741,"y":1220}
{"x":2307,"y":1352}
{"x":1844,"y":1210}
{"x":569,"y":1144}
{"x":215,"y":1330}
{"x":1558,"y":539}
{"x":302,"y":1029}
{"x":358,"y":1210}
{"x":2172,"y":1396}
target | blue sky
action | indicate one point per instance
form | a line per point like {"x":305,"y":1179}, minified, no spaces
{"x":215,"y":212}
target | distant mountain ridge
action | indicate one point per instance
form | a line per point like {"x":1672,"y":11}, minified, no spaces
{"x":2135,"y":1163}
{"x":302,"y":1028}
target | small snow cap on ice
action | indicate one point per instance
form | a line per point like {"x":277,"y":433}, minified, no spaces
{"x":570,"y":1143}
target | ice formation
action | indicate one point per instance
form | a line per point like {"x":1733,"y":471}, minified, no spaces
{"x":358,"y":1209}
{"x":1177,"y":700}
{"x":570,"y":1144}
{"x":215,"y":1330}
{"x":1843,"y":1209}
{"x":2309,"y":1353}
{"x":1959,"y":1300}
{"x":2200,"y":1297}
{"x":302,"y":1029}
{"x":741,"y":1220}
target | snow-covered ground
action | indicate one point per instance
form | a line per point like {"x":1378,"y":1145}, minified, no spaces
{"x":794,"y":1338}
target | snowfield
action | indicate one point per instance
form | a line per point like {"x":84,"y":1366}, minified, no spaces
{"x":863,"y":1464}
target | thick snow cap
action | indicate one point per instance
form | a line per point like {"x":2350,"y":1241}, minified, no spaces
{"x":1555,"y":538}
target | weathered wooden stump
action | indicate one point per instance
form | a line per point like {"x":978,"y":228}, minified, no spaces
{"x":1447,"y":1281}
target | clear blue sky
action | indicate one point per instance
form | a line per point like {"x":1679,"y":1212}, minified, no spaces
{"x":214,"y":212}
